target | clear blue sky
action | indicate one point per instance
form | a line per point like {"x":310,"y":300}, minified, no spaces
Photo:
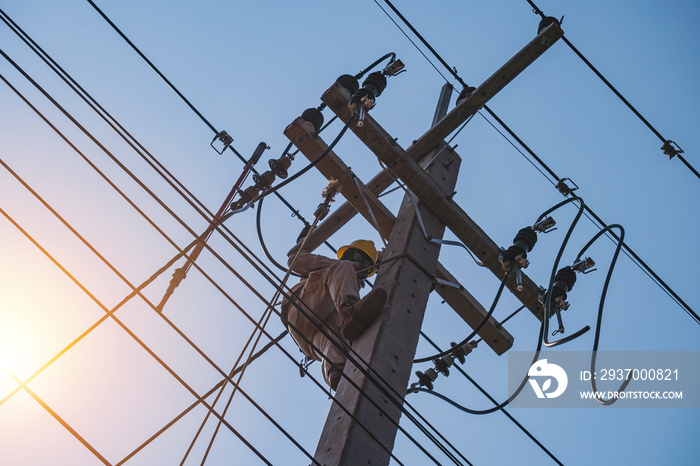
{"x":251,"y":68}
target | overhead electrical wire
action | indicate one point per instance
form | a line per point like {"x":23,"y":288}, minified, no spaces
{"x":487,"y":395}
{"x":227,"y":378}
{"x":114,"y":124}
{"x":90,"y":2}
{"x":135,"y":291}
{"x":555,"y":267}
{"x":184,"y":99}
{"x":329,"y":195}
{"x":261,"y":240}
{"x":596,"y":220}
{"x":180,"y":94}
{"x":539,"y":12}
{"x":110,"y":313}
{"x":196,"y":403}
{"x":56,"y":416}
{"x":476,"y":329}
{"x":599,"y":319}
{"x":169,"y":263}
{"x":144,"y":285}
{"x":181,"y":253}
{"x":589,"y":212}
{"x":168,"y":425}
{"x":540,"y":339}
{"x":107,"y":263}
{"x":200,"y":400}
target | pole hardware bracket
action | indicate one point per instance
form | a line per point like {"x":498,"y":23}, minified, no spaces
{"x":671,"y":149}
{"x":224,"y":137}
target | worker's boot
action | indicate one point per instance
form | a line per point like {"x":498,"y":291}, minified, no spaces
{"x":334,"y":375}
{"x":356,"y":317}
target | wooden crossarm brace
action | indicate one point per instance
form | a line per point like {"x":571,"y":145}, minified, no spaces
{"x":386,"y":148}
{"x":466,"y":306}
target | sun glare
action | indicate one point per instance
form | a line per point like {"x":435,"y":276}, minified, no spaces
{"x":20,"y":342}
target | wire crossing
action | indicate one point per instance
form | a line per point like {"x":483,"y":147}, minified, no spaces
{"x":262,"y":272}
{"x":589,"y":212}
{"x":137,"y":290}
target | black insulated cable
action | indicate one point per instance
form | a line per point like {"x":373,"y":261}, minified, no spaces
{"x":391,"y":55}
{"x":487,"y":395}
{"x":476,"y":330}
{"x":498,"y":406}
{"x":599,"y":320}
{"x":628,"y":251}
{"x":541,"y":338}
{"x":555,"y":266}
{"x":183,"y":252}
{"x":261,"y":239}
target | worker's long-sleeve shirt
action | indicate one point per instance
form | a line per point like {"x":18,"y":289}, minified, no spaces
{"x":327,"y":284}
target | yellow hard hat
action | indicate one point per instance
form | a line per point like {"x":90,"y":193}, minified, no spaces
{"x":365,"y":246}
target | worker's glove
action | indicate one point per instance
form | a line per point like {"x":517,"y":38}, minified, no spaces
{"x":322,"y":210}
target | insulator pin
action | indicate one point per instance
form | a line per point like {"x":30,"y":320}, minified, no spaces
{"x":264,"y":180}
{"x":426,"y":379}
{"x":279,"y":166}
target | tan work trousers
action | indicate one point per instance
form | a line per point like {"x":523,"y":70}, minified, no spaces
{"x":329,"y":284}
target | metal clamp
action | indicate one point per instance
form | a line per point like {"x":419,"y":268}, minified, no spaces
{"x":224,"y":137}
{"x":563,"y":188}
{"x":671,"y":149}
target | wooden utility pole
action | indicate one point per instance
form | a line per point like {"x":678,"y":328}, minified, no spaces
{"x":389,"y":345}
{"x":366,"y":435}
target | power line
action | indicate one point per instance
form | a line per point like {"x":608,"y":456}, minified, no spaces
{"x":487,"y":395}
{"x":136,"y":291}
{"x":589,"y":212}
{"x":100,"y":256}
{"x":184,"y":99}
{"x":58,"y":418}
{"x":110,"y":313}
{"x":143,"y":56}
{"x":176,"y":257}
{"x":200,"y":400}
{"x":667,"y":142}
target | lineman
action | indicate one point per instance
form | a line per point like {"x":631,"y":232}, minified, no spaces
{"x":330,"y":288}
